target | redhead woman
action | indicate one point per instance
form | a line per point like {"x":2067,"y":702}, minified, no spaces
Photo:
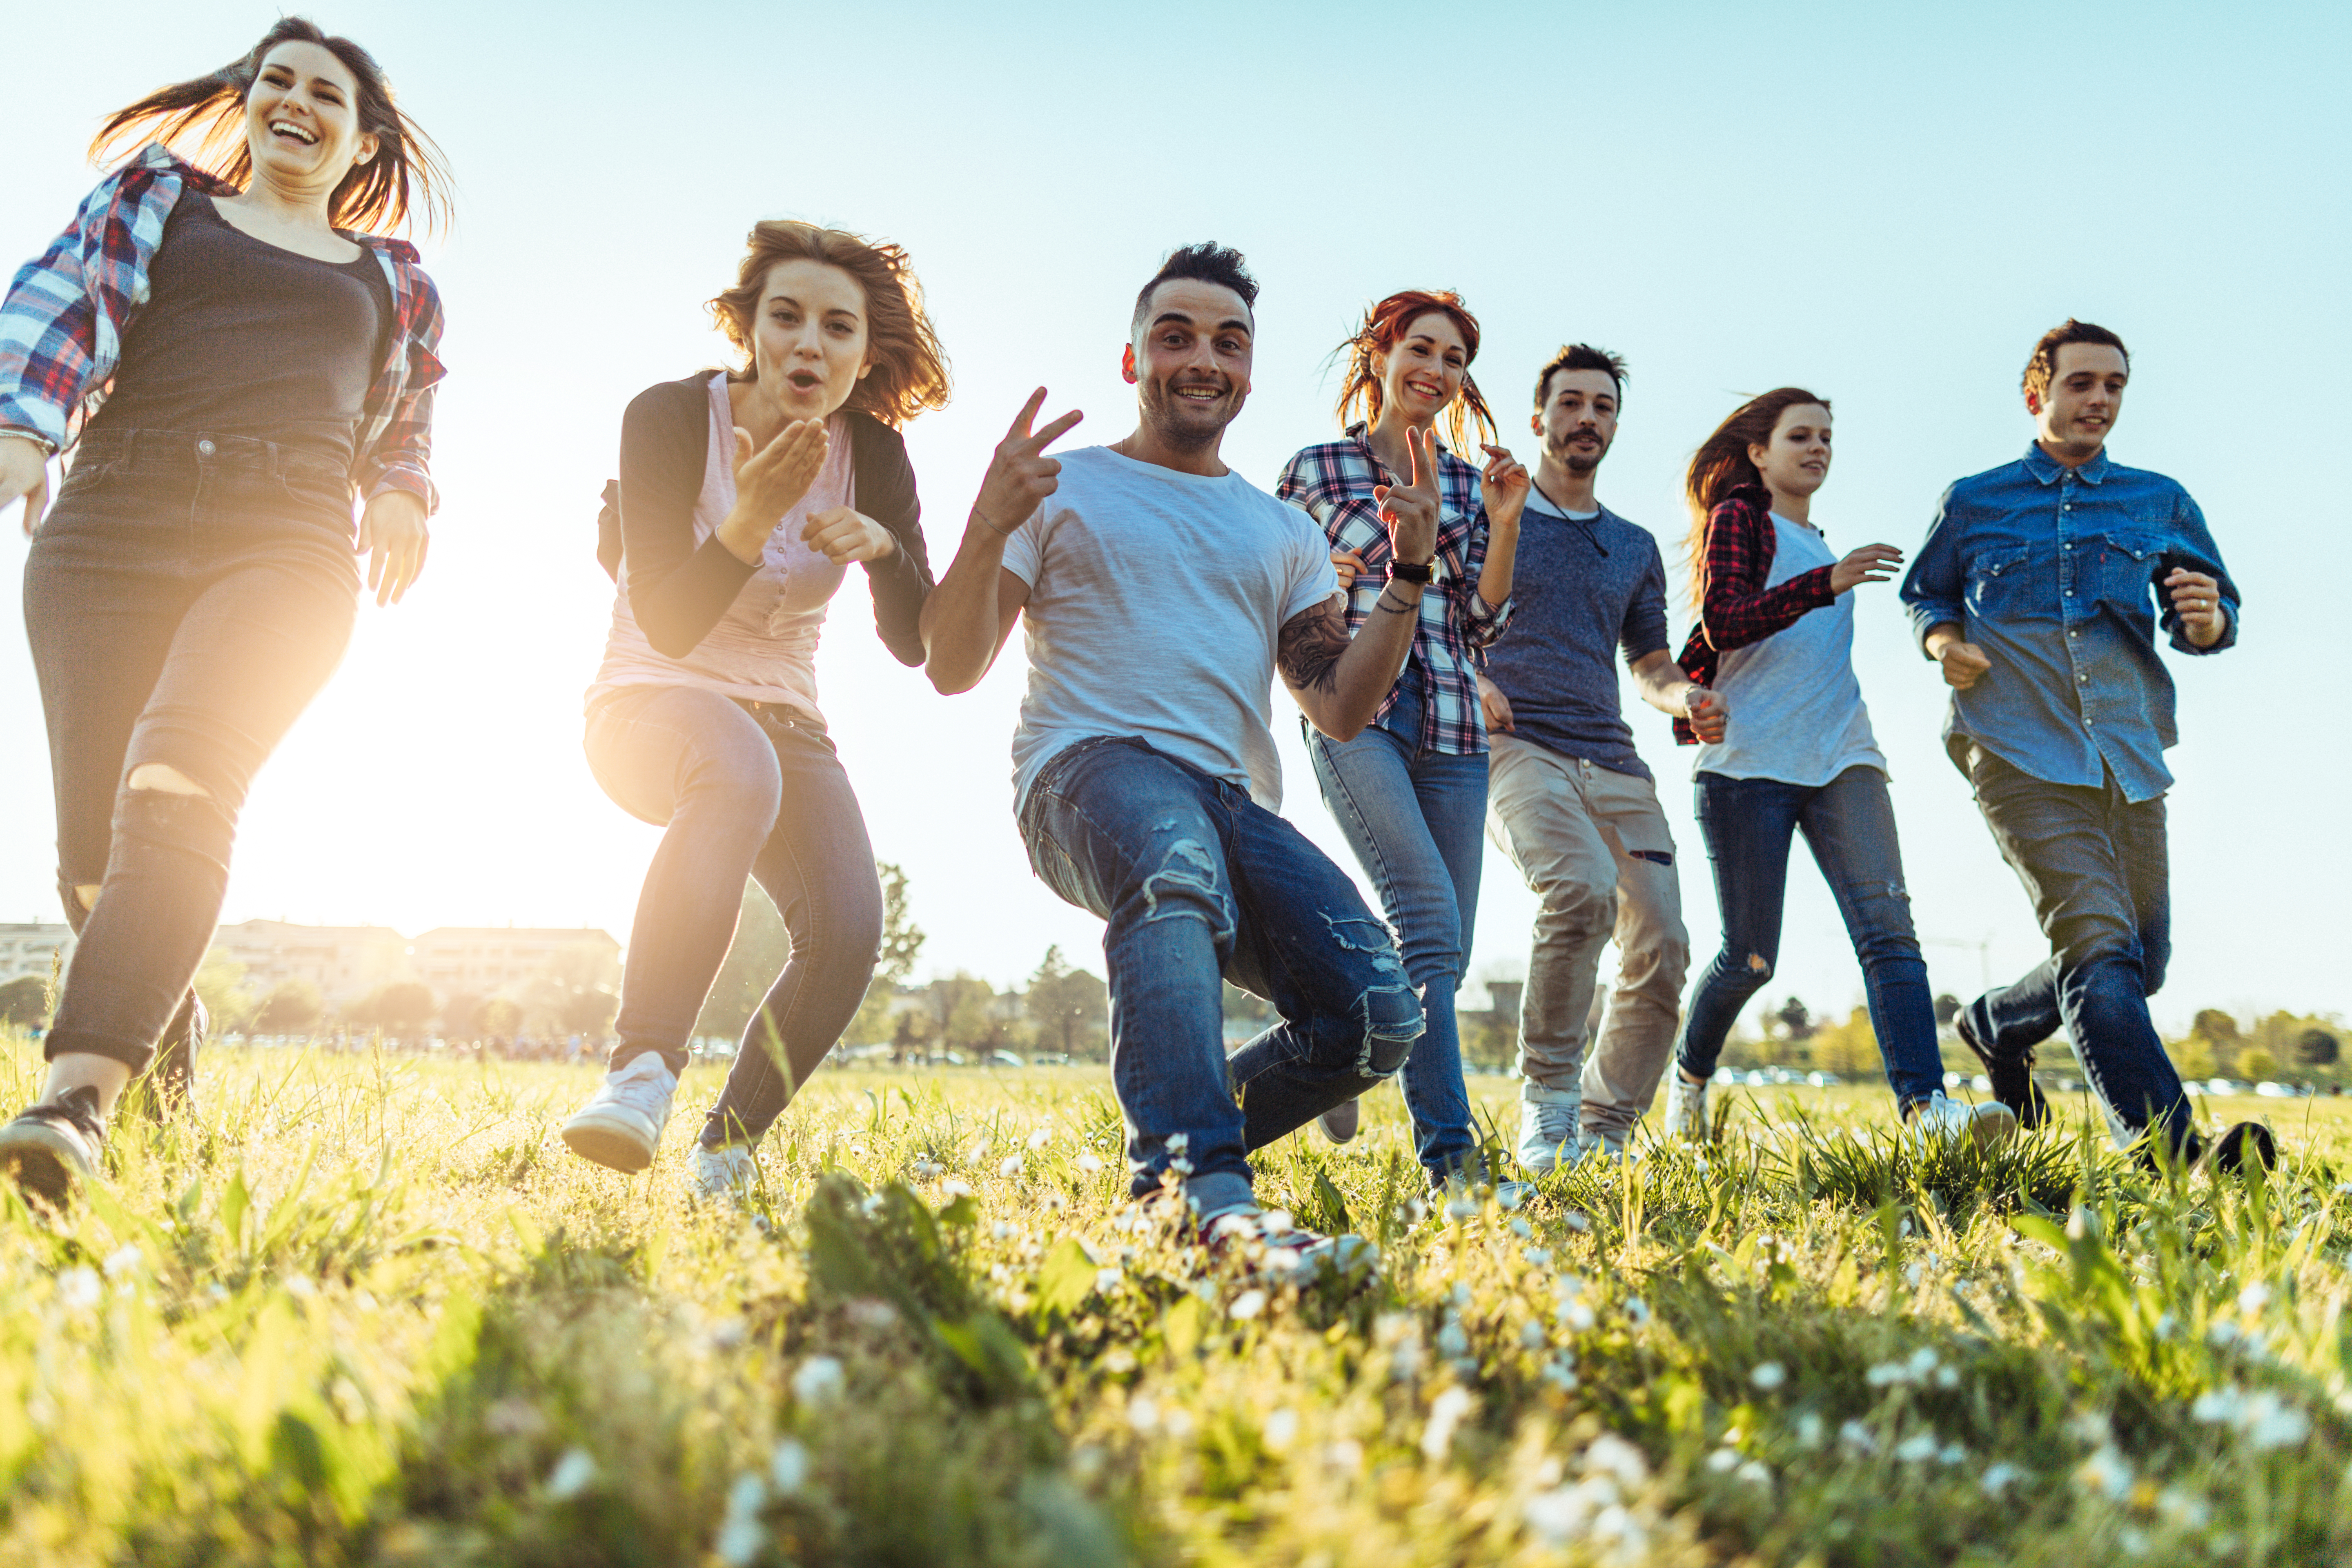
{"x":745,"y":497}
{"x":234,"y":365}
{"x":1776,"y":637}
{"x":1410,"y":792}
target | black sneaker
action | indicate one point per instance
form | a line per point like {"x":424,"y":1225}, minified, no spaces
{"x":50,"y":1146}
{"x":172,"y":1079}
{"x":2012,"y":1077}
{"x":2247,"y":1145}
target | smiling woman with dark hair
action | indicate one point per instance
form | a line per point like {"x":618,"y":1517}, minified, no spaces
{"x":744,"y":497}
{"x":232,"y":365}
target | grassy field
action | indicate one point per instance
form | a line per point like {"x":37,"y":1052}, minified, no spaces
{"x":371,"y":1311}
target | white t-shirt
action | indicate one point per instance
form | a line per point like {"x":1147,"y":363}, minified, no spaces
{"x":1156,"y":600}
{"x":1796,"y":709}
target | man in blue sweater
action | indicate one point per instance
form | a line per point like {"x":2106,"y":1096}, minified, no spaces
{"x":1571,"y":801}
{"x":2040,"y":591}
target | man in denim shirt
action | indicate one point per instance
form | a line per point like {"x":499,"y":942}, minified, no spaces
{"x":2034,"y":591}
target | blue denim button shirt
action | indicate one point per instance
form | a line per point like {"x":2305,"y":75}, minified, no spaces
{"x":2055,"y":574}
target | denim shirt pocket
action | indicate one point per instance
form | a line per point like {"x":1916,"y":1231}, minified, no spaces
{"x":2130,"y":559}
{"x":2000,"y":581}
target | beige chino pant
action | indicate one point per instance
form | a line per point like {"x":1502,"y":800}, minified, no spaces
{"x":1596,"y":851}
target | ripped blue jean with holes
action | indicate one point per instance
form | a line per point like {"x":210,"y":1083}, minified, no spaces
{"x":1199,"y":885}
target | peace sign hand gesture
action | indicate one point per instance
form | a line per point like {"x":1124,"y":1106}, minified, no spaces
{"x":1020,"y":476}
{"x":1410,"y":510}
{"x":1502,"y":486}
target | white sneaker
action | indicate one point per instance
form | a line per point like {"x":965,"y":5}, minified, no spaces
{"x":1548,"y":1127}
{"x":1940,"y":1119}
{"x":1340,"y":1122}
{"x":1609,"y":1147}
{"x":723,"y":1175}
{"x":1687,"y":1119}
{"x":622,"y":1123}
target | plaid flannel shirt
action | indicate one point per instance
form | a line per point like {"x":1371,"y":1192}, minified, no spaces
{"x":1739,"y":609}
{"x":1334,"y":480}
{"x":62,"y":324}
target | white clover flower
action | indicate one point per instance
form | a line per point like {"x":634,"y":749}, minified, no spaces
{"x":1179,"y":1142}
{"x":1010,"y":1165}
{"x":818,"y":1381}
{"x":1247,"y":1305}
{"x":1177,"y":1422}
{"x":2223,"y":1334}
{"x":1451,"y":1341}
{"x":2184,"y":1509}
{"x":739,"y":1541}
{"x":1108,"y":1279}
{"x":952,"y":1188}
{"x":2216,"y":1406}
{"x":1510,"y":1195}
{"x":1346,"y":1456}
{"x":1576,"y":1221}
{"x":1922,"y":1363}
{"x":574,"y":1473}
{"x":2254,"y":1298}
{"x":1723,"y":1459}
{"x":1000,"y":1230}
{"x":788,"y":1467}
{"x":1280,"y":1430}
{"x":1951,"y":1454}
{"x":1916,"y":1448}
{"x":1947,"y":1377}
{"x":1445,"y":1413}
{"x":1461,"y":1205}
{"x":1532,"y":1335}
{"x":2270,"y":1422}
{"x":1611,"y":1456}
{"x":747,"y":1496}
{"x":1521,"y":1228}
{"x":1769,"y":1375}
{"x":1042,"y":1136}
{"x":1883,"y":1374}
{"x":1143,"y":1413}
{"x":1088,"y":1160}
{"x":923,"y":1170}
{"x":78,"y":1287}
{"x":1539,"y":1256}
{"x":1808,"y":1429}
{"x":2106,"y":1472}
{"x":121,"y":1261}
{"x":1558,"y":1374}
{"x":1854,"y":1434}
{"x":1998,"y":1478}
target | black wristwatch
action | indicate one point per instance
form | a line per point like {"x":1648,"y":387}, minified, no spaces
{"x":1420,"y":571}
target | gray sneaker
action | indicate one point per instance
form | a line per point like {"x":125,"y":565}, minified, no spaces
{"x":1339,"y":1122}
{"x":51,"y":1146}
{"x":1547,"y":1130}
{"x":620,"y":1125}
{"x":723,"y":1175}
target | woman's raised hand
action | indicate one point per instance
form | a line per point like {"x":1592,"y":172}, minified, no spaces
{"x":770,"y":482}
{"x":1410,"y":510}
{"x":1502,"y":485}
{"x":844,"y":534}
{"x":1020,"y":476}
{"x":1871,"y":564}
{"x":23,"y":473}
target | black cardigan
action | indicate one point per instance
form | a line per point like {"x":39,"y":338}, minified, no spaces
{"x":678,"y":590}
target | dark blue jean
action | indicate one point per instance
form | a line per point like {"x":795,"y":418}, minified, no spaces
{"x":1200,"y":884}
{"x":1416,"y":821}
{"x":2097,"y":868}
{"x":1849,"y":824}
{"x":186,"y":598}
{"x":742,"y":794}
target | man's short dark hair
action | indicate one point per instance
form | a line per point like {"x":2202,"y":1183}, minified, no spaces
{"x":1580,"y":356}
{"x":1207,"y":262}
{"x":2044,"y":363}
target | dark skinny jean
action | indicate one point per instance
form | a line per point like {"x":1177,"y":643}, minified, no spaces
{"x":1849,"y":823}
{"x":1197,"y":880}
{"x":2098,"y":870}
{"x":186,"y":598}
{"x":744,"y":793}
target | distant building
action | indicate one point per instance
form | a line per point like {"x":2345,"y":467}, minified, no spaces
{"x":32,"y":949}
{"x":345,"y":963}
{"x":489,"y":960}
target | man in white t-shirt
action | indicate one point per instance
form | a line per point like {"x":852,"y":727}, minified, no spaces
{"x":1161,"y":592}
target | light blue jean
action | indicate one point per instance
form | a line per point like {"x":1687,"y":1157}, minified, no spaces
{"x":1416,"y":821}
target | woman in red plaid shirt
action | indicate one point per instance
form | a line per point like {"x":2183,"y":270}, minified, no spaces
{"x":1410,"y":792}
{"x":1776,"y":635}
{"x":235,"y":365}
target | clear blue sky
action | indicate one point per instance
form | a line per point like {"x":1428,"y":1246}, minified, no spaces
{"x":1885,"y":204}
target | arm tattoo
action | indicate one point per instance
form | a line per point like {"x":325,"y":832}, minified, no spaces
{"x":1310,"y":646}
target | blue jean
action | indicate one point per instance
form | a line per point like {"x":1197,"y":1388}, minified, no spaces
{"x":1849,"y":823}
{"x":742,"y":794}
{"x":1198,"y":882}
{"x":1416,"y":820}
{"x":2098,"y":870}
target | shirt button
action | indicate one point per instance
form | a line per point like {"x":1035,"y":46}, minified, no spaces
{"x":205,"y":448}
{"x":2081,"y":680}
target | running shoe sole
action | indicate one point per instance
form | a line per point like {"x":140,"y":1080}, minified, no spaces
{"x":608,"y":1141}
{"x":44,"y":1162}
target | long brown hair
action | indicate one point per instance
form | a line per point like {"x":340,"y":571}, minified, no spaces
{"x":1721,"y":465}
{"x":1383,"y":328}
{"x":910,"y":369}
{"x":204,"y":120}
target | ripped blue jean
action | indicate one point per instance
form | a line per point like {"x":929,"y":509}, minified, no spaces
{"x":1200,"y":884}
{"x":1849,"y":822}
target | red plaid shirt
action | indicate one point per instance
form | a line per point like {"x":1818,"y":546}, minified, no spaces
{"x":1333,"y":481}
{"x":62,"y":324}
{"x":1738,"y":608}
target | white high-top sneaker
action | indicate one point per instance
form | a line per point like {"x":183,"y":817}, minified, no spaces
{"x":723,"y":1175}
{"x":1548,"y":1127}
{"x":1939,"y":1118}
{"x":1687,"y":1119}
{"x":620,"y":1125}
